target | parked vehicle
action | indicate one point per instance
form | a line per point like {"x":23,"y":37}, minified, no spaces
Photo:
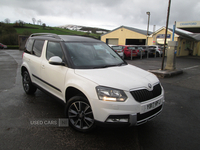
{"x":156,"y":49}
{"x":2,"y":46}
{"x":139,"y":51}
{"x":127,"y":51}
{"x":118,"y":49}
{"x":96,"y":86}
{"x":145,"y":48}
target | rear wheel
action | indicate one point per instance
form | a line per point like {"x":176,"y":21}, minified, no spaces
{"x":29,"y":88}
{"x":80,"y":115}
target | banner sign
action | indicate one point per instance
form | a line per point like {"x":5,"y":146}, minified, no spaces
{"x":163,"y":36}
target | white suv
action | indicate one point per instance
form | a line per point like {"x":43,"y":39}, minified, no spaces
{"x":95,"y":84}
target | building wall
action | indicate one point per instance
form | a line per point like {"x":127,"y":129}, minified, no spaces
{"x":198,"y":49}
{"x":183,"y":44}
{"x":122,"y":34}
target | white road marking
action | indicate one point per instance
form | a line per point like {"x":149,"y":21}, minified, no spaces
{"x":190,"y":67}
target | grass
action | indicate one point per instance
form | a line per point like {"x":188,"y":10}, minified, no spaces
{"x":12,"y":46}
{"x":39,"y":29}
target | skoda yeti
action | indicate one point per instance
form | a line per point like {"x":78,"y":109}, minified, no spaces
{"x":96,"y":86}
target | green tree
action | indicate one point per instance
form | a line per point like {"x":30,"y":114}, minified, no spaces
{"x":43,"y":25}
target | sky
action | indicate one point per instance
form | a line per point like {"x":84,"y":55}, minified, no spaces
{"x":106,"y":14}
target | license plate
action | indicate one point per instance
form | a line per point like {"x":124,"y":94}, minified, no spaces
{"x":152,"y":105}
{"x":133,"y":54}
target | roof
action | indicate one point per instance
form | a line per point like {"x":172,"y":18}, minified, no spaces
{"x":181,"y":34}
{"x":196,"y":36}
{"x":144,"y":32}
{"x":177,"y":33}
{"x":76,"y":38}
{"x":66,"y":38}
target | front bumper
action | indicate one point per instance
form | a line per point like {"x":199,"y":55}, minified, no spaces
{"x":131,"y":112}
{"x":133,"y":119}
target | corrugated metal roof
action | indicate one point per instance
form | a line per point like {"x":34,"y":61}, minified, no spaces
{"x":196,"y":36}
{"x":144,"y":32}
{"x":183,"y":35}
{"x":138,"y":30}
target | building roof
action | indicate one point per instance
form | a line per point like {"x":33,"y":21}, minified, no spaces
{"x":183,"y":35}
{"x":196,"y":36}
{"x":138,"y":30}
{"x":177,"y":33}
{"x":144,"y":32}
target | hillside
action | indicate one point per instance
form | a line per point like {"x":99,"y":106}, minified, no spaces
{"x":84,"y":29}
{"x":29,"y":29}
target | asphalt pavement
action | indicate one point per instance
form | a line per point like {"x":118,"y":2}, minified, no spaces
{"x":177,"y":127}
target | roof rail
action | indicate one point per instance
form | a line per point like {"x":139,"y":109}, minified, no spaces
{"x":46,"y":34}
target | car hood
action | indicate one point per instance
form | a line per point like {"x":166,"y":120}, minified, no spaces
{"x":120,"y":77}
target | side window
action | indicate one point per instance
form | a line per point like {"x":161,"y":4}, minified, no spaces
{"x":29,"y":45}
{"x":37,"y":47}
{"x":54,"y":49}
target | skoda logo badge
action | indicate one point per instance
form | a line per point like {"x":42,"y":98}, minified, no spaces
{"x":149,"y":85}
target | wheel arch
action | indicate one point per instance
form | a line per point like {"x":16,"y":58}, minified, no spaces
{"x":23,"y":68}
{"x":71,"y":92}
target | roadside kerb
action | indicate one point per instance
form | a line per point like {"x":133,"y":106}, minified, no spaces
{"x":166,"y":73}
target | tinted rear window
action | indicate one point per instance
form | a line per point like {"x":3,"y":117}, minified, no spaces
{"x":29,"y":45}
{"x":37,"y":47}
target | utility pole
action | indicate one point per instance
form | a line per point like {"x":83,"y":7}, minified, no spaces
{"x":148,"y":13}
{"x":166,"y":34}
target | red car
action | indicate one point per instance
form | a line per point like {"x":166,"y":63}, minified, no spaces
{"x":127,"y":51}
{"x":2,"y":46}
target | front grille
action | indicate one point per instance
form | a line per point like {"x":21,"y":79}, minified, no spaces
{"x":148,"y":114}
{"x":144,"y":95}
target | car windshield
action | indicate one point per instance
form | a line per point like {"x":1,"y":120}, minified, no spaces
{"x":92,"y":55}
{"x":117,"y":47}
{"x":131,"y":47}
{"x":140,"y":48}
{"x":152,"y":47}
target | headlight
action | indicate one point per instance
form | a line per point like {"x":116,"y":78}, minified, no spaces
{"x":110,"y":94}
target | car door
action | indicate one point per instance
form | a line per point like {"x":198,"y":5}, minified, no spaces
{"x":33,"y":59}
{"x":53,"y":76}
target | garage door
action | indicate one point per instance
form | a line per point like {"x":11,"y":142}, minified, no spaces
{"x":112,"y":41}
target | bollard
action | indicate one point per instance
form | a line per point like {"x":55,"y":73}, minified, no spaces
{"x":131,"y":54}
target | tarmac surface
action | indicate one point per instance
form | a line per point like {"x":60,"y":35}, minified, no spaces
{"x":177,"y":127}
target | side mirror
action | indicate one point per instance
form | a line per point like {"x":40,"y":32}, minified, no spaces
{"x":55,"y":60}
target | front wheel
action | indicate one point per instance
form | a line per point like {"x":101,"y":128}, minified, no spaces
{"x":80,"y":115}
{"x":29,"y":88}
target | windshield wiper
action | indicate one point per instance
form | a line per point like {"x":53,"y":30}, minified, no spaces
{"x":106,"y":66}
{"x":121,"y":64}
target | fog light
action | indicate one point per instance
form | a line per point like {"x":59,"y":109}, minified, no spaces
{"x":123,"y":118}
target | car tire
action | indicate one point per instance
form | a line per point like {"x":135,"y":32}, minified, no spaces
{"x":79,"y":113}
{"x":28,"y":86}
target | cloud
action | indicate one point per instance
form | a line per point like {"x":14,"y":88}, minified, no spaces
{"x":100,"y":13}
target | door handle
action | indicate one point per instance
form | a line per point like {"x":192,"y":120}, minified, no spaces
{"x":43,"y":67}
